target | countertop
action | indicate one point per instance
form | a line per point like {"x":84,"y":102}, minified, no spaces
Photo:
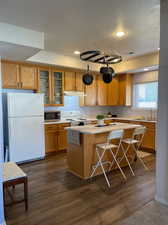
{"x":93,"y":129}
{"x":57,"y":122}
{"x":94,"y":119}
{"x":128,"y":118}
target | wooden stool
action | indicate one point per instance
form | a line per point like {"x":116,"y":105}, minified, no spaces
{"x":14,"y":175}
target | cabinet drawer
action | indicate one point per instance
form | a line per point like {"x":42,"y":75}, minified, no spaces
{"x":64,"y":124}
{"x":49,"y":127}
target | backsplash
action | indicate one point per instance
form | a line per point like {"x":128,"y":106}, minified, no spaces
{"x":71,"y":107}
{"x":122,"y":111}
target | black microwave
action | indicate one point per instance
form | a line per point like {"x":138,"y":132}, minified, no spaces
{"x":52,"y":115}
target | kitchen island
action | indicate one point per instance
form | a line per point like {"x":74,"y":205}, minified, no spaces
{"x":82,"y":140}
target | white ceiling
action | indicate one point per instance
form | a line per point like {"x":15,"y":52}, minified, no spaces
{"x":88,"y":24}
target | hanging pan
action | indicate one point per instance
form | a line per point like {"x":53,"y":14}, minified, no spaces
{"x":88,"y":77}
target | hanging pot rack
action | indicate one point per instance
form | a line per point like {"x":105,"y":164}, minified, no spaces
{"x":96,"y":56}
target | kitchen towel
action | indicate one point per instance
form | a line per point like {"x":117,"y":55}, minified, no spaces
{"x":73,"y":137}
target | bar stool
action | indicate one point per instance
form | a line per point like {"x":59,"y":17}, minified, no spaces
{"x":135,"y":142}
{"x":101,"y":149}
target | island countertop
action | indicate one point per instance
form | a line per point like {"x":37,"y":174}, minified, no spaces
{"x":94,"y":129}
{"x":81,"y":154}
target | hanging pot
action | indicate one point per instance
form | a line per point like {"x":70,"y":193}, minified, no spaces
{"x":107,"y":77}
{"x":108,"y":73}
{"x":107,"y":70}
{"x":88,"y":77}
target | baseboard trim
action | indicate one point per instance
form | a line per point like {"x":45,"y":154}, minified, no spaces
{"x":162,"y":201}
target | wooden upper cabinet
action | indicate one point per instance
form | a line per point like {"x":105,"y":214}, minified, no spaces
{"x":91,"y":93}
{"x":19,"y":76}
{"x":44,"y":84}
{"x":10,"y":75}
{"x":113,"y":92}
{"x":70,"y":81}
{"x":125,"y":89}
{"x":28,"y":77}
{"x":107,"y":93}
{"x":73,"y":81}
{"x":57,"y":88}
{"x":79,"y":81}
{"x":101,"y":91}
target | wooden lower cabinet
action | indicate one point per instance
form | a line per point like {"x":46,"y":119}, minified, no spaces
{"x":62,"y":140}
{"x":51,"y":138}
{"x":51,"y":141}
{"x":149,"y":137}
{"x":55,"y":137}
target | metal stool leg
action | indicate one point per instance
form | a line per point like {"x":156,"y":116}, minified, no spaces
{"x":118,"y":164}
{"x":127,"y":160}
{"x":108,"y":183}
{"x":136,"y":152}
{"x":98,"y":163}
{"x":113,"y":158}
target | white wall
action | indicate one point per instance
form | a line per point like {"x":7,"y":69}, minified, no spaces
{"x":1,"y":157}
{"x":162,"y":125}
{"x":21,"y":36}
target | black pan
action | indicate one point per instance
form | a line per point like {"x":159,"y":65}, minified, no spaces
{"x":87,"y":79}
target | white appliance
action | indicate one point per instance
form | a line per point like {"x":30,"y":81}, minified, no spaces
{"x":24,"y":126}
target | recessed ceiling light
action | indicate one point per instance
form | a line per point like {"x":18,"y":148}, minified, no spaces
{"x":76,"y":52}
{"x":146,"y":69}
{"x":158,"y":49}
{"x":120,"y":34}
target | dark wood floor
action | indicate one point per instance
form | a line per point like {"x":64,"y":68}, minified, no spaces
{"x":57,"y":197}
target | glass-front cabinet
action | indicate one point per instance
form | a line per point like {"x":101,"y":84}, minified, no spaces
{"x":51,"y":83}
{"x":57,"y":88}
{"x":44,"y":84}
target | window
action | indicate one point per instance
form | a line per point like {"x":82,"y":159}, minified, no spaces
{"x":145,"y":95}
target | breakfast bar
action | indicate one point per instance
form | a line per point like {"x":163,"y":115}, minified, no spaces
{"x":82,"y":142}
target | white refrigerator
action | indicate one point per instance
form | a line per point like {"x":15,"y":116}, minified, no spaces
{"x":24,"y":126}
